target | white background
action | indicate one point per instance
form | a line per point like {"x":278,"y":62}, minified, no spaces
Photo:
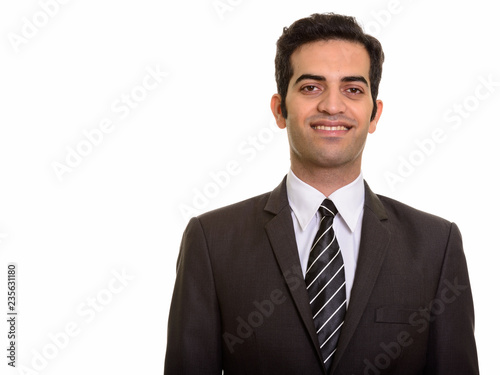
{"x":124,"y":205}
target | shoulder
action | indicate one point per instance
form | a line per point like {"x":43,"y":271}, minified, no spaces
{"x":402,"y":210}
{"x":236,"y":210}
{"x":254,"y":211}
{"x":399,"y":213}
{"x":411,"y":220}
{"x":237,"y":219}
{"x":229,"y":229}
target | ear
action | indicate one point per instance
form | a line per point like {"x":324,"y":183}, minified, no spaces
{"x":276,"y":109}
{"x":373,"y":123}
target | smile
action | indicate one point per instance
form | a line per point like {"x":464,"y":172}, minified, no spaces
{"x":330,"y":128}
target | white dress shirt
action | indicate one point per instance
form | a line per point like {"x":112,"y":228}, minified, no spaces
{"x":349,"y":201}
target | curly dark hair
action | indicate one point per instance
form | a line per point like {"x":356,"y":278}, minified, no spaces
{"x":326,"y":26}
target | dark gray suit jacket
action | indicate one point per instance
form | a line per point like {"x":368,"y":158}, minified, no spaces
{"x":240,"y":303}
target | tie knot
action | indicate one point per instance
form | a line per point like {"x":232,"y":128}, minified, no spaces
{"x":327,"y":208}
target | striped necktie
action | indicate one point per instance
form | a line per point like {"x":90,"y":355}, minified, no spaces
{"x":325,"y":282}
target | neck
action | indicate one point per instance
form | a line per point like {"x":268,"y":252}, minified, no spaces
{"x":326,"y":180}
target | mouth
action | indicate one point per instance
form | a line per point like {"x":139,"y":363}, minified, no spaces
{"x":330,"y":128}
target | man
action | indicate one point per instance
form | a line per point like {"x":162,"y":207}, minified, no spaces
{"x":322,"y":276}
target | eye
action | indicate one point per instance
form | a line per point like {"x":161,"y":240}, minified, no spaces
{"x":309,"y":88}
{"x":354,"y":90}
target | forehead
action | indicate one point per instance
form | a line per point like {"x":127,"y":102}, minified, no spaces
{"x":331,"y":58}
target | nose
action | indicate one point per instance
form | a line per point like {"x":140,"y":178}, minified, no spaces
{"x":332,"y":102}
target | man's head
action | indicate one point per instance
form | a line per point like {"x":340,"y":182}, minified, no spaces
{"x":320,"y":27}
{"x":328,"y":72}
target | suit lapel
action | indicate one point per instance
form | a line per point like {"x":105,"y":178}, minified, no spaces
{"x":282,"y":238}
{"x":375,"y":237}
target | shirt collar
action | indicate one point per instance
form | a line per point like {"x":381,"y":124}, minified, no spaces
{"x":305,"y":200}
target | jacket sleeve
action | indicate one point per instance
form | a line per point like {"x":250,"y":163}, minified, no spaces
{"x":452,"y":347}
{"x":194,"y":340}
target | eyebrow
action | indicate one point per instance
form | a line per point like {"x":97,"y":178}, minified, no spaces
{"x":355,"y":79}
{"x":309,"y":76}
{"x":322,"y":78}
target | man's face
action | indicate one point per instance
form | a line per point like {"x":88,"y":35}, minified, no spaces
{"x":329,"y":106}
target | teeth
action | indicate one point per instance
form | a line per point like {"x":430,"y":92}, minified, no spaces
{"x":331,"y":128}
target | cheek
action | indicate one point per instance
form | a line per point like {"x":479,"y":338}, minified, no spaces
{"x":293,"y":120}
{"x":296,"y":135}
{"x":298,"y":106}
{"x":363,"y":112}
